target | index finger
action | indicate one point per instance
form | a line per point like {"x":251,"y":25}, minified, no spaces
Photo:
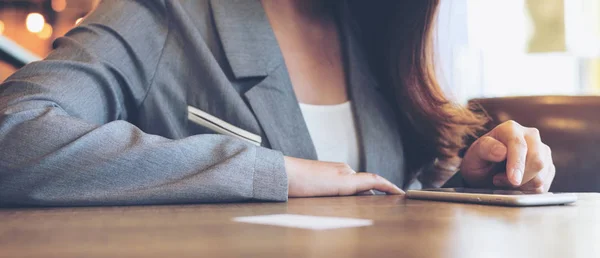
{"x":368,"y":181}
{"x":513,"y":137}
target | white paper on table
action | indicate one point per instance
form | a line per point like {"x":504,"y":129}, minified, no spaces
{"x":305,"y":222}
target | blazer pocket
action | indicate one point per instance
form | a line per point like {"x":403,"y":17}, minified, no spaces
{"x":217,"y":125}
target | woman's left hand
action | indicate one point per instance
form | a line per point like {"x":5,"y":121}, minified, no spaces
{"x":528,"y":165}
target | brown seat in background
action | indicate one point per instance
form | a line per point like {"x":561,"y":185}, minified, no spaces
{"x":570,"y":125}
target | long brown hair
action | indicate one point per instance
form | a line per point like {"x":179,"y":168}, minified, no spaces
{"x":398,"y":39}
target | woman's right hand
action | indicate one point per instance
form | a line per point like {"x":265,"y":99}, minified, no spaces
{"x":308,"y":178}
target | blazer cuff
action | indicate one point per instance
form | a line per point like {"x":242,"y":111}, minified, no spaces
{"x":270,"y":178}
{"x":455,"y":181}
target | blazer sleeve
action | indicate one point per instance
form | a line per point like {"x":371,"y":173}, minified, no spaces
{"x":65,"y":139}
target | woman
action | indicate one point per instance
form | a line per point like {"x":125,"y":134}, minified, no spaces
{"x":151,"y":102}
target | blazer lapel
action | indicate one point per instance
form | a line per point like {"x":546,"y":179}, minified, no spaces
{"x":253,"y":52}
{"x":378,"y":127}
{"x":276,"y":107}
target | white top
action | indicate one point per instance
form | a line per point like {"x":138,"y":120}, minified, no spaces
{"x":333,"y":132}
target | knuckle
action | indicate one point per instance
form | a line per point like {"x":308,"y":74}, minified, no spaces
{"x":536,"y":163}
{"x":344,"y":169}
{"x":533,"y":131}
{"x":512,"y":124}
{"x":343,"y":166}
{"x":519,"y":142}
{"x":537,"y":182}
{"x":533,"y":134}
{"x":374,"y":177}
{"x":548,"y":150}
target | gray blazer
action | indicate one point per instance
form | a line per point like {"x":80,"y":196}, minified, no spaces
{"x":172,"y":101}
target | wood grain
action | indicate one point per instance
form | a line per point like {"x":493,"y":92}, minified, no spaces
{"x":402,"y":228}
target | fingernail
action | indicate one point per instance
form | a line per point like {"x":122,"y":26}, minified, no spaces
{"x":498,"y":150}
{"x":517,"y":176}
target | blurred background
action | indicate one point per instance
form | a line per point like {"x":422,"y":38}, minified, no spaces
{"x":496,"y":48}
{"x":34,"y":24}
{"x":486,"y":48}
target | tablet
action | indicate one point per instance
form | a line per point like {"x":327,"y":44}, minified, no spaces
{"x":492,"y":197}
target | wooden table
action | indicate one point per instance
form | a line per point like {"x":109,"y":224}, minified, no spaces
{"x":402,"y":228}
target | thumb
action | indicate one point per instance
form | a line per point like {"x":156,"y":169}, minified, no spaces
{"x":484,"y":151}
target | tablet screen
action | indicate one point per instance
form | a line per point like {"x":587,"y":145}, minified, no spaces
{"x":479,"y":191}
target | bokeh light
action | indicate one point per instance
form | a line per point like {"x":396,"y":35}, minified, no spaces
{"x":35,"y":22}
{"x":46,"y":32}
